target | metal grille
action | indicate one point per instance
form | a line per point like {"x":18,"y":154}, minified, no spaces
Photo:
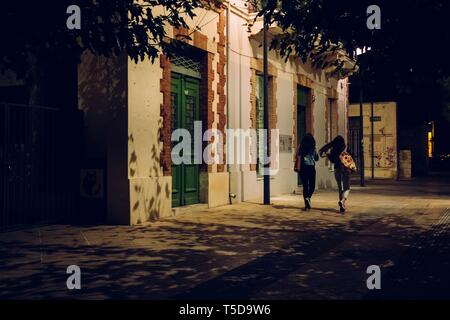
{"x":354,"y":139}
{"x":186,"y":65}
{"x":35,"y":170}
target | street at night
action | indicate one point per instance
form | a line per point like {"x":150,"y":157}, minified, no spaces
{"x":224,"y":159}
{"x":249,"y":251}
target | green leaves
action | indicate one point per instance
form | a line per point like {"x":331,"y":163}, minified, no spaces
{"x":109,"y":27}
{"x":412,"y":31}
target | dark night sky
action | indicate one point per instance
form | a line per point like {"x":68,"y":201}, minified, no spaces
{"x":421,"y":101}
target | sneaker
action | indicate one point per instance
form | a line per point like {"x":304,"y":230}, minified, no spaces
{"x":341,"y":207}
{"x":308,"y":203}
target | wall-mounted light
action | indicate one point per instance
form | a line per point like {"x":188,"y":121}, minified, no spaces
{"x":430,"y":137}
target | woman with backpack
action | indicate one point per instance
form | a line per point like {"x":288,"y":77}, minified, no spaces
{"x":305,"y":164}
{"x":337,"y":148}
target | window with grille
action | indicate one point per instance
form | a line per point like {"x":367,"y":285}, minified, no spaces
{"x":186,"y":65}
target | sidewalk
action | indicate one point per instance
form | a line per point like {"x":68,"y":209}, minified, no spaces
{"x":244,"y":250}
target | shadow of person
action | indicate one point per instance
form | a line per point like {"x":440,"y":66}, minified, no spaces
{"x":282,"y":206}
{"x":325,"y":210}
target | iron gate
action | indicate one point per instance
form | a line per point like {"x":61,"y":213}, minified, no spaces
{"x":354,"y":139}
{"x":33,"y":181}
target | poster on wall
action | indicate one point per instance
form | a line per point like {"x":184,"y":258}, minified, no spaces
{"x":92,"y":183}
{"x":285,"y":143}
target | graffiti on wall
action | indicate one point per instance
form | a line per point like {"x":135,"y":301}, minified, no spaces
{"x":385,"y":151}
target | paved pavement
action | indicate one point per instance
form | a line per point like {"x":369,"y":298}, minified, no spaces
{"x":249,"y":251}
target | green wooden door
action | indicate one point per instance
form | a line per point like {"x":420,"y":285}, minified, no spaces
{"x":185,"y":110}
{"x":302,"y":95}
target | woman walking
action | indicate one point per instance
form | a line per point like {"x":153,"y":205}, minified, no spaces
{"x":305,"y":164}
{"x":341,"y":174}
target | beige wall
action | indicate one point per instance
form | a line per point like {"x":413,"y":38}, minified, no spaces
{"x":385,"y":139}
{"x":243,"y":50}
{"x":150,"y":191}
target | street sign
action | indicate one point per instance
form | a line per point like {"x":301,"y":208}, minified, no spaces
{"x":375,"y":119}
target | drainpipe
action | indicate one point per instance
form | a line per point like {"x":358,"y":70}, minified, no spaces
{"x":227,"y":43}
{"x":266,"y":193}
{"x":241,"y":165}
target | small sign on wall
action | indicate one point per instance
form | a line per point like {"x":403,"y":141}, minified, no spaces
{"x":375,"y":118}
{"x":285,"y":143}
{"x":92,"y":183}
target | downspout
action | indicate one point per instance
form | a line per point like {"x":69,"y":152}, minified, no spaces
{"x":227,"y":43}
{"x":241,"y":165}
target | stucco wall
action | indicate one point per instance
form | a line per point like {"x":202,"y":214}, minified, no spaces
{"x":150,"y":191}
{"x":243,"y":50}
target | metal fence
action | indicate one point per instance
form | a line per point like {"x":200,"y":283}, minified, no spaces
{"x":354,"y":139}
{"x":34,"y":188}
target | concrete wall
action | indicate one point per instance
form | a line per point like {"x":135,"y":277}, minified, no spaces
{"x":150,"y":191}
{"x":385,"y":139}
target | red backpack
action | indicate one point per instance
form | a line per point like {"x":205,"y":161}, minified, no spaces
{"x":347,"y":162}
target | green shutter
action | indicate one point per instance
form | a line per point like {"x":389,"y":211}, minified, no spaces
{"x":302,"y":96}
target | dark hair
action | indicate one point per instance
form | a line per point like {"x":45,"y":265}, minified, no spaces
{"x":308,"y":144}
{"x":339,"y":143}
